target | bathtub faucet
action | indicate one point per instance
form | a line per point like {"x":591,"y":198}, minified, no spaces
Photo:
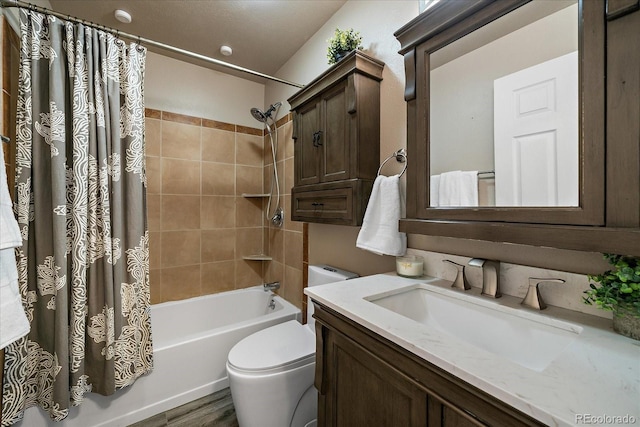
{"x":271,"y":286}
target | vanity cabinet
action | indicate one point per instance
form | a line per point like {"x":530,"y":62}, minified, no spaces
{"x":336,"y":133}
{"x":366,"y":380}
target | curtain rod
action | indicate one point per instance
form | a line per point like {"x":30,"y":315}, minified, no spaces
{"x":149,"y":42}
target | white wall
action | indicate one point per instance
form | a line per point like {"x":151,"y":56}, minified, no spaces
{"x":180,"y":87}
{"x":376,"y":21}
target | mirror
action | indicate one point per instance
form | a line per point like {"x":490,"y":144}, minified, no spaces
{"x":503,"y":112}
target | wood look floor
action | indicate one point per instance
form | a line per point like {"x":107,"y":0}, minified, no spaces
{"x":212,"y":410}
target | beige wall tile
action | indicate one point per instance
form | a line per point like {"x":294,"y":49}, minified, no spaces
{"x":152,"y":137}
{"x":180,"y":282}
{"x":293,"y":249}
{"x":267,"y":177}
{"x":153,"y":212}
{"x":180,"y":141}
{"x":180,"y":212}
{"x":218,"y":245}
{"x":274,"y":272}
{"x":287,"y":139}
{"x":155,"y":250}
{"x":281,"y":177}
{"x":248,"y":179}
{"x":155,"y":286}
{"x":248,"y":242}
{"x":180,"y":248}
{"x":249,"y":150}
{"x":181,"y":118}
{"x":218,"y":212}
{"x":293,"y":286}
{"x":218,"y":146}
{"x":248,"y":273}
{"x":282,"y":142}
{"x":218,"y":179}
{"x":218,"y":277}
{"x":180,"y":176}
{"x":248,"y":212}
{"x":276,"y":244}
{"x":267,"y":155}
{"x":154,"y":175}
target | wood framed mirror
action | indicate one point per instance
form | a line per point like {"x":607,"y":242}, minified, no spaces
{"x":580,"y":223}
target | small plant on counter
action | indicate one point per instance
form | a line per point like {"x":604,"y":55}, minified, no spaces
{"x":343,"y":42}
{"x":618,"y":291}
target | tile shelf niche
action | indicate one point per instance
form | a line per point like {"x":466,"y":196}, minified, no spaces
{"x":256,"y":257}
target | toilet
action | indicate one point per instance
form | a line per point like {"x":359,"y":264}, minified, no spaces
{"x":271,"y":372}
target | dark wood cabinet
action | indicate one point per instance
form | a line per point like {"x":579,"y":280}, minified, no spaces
{"x":366,"y":380}
{"x":607,"y":218}
{"x":337,"y":142}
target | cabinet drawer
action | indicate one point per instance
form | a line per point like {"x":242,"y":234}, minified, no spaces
{"x":323,"y":205}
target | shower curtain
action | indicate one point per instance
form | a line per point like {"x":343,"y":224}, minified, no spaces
{"x":84,"y":265}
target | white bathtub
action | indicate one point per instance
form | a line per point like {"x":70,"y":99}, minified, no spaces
{"x":191,"y":340}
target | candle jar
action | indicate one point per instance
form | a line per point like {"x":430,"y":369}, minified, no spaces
{"x":409,"y":265}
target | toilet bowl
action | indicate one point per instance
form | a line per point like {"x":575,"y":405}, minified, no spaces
{"x":271,"y":372}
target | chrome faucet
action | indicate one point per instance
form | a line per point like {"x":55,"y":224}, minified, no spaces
{"x":533,"y":299}
{"x":490,"y":276}
{"x":268,"y":287}
{"x":460,"y":281}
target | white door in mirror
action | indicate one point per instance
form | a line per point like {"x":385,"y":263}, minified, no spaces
{"x":536,"y":135}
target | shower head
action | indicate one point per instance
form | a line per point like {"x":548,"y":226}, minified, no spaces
{"x":261,"y":116}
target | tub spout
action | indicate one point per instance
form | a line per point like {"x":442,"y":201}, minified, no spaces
{"x":268,"y":287}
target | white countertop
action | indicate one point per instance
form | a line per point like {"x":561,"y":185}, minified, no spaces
{"x":596,"y":375}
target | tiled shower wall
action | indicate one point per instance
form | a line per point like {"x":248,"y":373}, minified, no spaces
{"x":286,"y":243}
{"x":200,"y":224}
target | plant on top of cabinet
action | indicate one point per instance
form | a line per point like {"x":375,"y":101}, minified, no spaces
{"x":343,"y":42}
{"x":619,"y":291}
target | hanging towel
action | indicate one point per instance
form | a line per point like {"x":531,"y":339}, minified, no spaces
{"x":13,"y":320}
{"x":379,"y":233}
{"x":458,"y":188}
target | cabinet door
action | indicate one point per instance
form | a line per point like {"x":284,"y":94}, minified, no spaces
{"x":306,"y":147}
{"x":364,"y":391}
{"x":334,"y":139}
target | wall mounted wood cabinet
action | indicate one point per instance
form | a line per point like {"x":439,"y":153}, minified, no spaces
{"x":606,"y":214}
{"x":365,"y":380}
{"x":336,"y":132}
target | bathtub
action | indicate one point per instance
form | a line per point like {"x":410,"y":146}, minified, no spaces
{"x":191,"y":340}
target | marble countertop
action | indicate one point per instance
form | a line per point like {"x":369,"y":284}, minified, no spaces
{"x":594,"y":380}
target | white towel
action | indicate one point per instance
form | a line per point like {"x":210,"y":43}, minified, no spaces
{"x":458,"y":188}
{"x":9,"y":231}
{"x":379,"y":233}
{"x":13,"y":320}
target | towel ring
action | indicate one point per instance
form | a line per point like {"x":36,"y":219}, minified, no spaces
{"x":400,"y":156}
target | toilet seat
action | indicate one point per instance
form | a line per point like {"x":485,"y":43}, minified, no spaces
{"x":278,"y":348}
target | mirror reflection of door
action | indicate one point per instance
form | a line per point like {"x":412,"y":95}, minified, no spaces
{"x":461,"y":103}
{"x":536,"y":135}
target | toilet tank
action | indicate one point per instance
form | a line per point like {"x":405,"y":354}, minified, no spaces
{"x":321,"y":275}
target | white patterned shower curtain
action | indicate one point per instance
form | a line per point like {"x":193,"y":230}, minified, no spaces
{"x":81,"y":189}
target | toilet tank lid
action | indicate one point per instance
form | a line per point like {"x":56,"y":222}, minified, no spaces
{"x":322,"y":273}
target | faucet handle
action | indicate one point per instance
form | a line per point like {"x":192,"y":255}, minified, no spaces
{"x":533,"y":299}
{"x":460,"y":281}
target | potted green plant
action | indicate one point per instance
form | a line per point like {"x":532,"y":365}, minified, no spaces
{"x":619,"y":291}
{"x":343,"y":42}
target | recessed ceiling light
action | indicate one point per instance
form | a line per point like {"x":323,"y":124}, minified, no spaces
{"x":226,"y":50}
{"x":123,"y":16}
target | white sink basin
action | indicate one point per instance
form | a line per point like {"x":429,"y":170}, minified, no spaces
{"x":526,"y":338}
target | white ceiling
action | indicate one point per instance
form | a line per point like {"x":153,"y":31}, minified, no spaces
{"x":264,"y":34}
